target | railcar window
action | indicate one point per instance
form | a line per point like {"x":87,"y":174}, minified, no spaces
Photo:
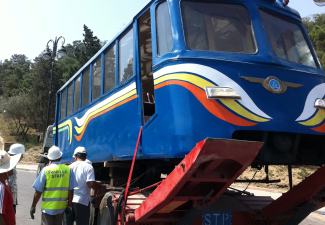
{"x":96,"y":82}
{"x":63,"y":110}
{"x":217,"y":27}
{"x":85,"y":87}
{"x":287,"y":40}
{"x":70,"y":97}
{"x":164,"y":32}
{"x":77,"y":94}
{"x":109,"y":69}
{"x":126,"y":56}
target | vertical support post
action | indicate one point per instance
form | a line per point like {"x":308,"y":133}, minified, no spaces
{"x":290,"y":176}
{"x":267,"y":178}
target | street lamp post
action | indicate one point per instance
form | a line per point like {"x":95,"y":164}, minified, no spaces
{"x":54,"y":44}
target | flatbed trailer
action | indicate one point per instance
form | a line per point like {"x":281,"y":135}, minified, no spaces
{"x":197,"y":192}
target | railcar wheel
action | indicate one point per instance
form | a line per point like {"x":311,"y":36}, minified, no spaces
{"x":106,"y":211}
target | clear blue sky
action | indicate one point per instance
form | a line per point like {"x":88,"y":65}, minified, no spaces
{"x":27,"y":25}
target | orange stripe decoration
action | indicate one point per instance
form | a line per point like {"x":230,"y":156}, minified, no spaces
{"x":320,"y":128}
{"x":211,"y":105}
{"x":79,"y":137}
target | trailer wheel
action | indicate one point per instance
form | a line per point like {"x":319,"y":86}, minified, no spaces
{"x":106,"y":211}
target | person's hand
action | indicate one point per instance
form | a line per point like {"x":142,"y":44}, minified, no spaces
{"x":32,"y":212}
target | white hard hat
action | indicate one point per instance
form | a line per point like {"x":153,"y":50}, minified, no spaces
{"x":79,"y":149}
{"x":16,"y":149}
{"x":8,"y":162}
{"x":54,"y":153}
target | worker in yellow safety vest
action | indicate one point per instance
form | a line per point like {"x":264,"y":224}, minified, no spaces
{"x":54,"y":184}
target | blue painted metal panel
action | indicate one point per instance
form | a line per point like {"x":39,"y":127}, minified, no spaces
{"x":183,"y":115}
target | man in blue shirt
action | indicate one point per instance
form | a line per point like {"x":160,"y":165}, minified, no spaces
{"x":55,"y":184}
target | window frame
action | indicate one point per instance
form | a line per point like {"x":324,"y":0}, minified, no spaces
{"x":158,"y":54}
{"x":304,"y":33}
{"x":113,"y":47}
{"x":64,"y":91}
{"x":80,"y":94}
{"x":126,"y":31}
{"x":97,"y":59}
{"x":71,"y":85}
{"x":89,"y":85}
{"x":252,"y":28}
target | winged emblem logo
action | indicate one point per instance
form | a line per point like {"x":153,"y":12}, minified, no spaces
{"x":272,"y":83}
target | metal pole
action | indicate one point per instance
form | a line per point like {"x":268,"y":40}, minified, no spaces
{"x":52,"y":61}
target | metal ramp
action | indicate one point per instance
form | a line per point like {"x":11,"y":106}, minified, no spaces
{"x":198,"y":186}
{"x":197,"y":181}
{"x":295,"y":205}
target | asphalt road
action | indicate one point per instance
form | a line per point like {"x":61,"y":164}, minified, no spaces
{"x":25,"y":181}
{"x":25,"y":196}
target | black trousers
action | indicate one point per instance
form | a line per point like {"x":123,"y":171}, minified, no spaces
{"x":81,"y":213}
{"x":52,"y":219}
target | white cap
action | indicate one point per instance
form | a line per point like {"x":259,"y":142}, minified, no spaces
{"x":16,"y":149}
{"x":54,"y":153}
{"x":79,"y":149}
{"x":8,"y":162}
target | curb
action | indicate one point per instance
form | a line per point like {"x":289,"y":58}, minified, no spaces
{"x":27,"y":167}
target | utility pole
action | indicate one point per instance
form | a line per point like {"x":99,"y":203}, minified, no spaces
{"x":54,"y":44}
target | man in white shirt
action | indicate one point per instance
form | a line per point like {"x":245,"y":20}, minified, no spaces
{"x":85,"y":177}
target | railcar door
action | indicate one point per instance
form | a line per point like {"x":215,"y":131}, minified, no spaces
{"x":145,"y":56}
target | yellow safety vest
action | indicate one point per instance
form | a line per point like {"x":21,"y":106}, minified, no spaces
{"x":55,"y":194}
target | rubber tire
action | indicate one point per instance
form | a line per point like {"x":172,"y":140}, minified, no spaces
{"x":106,"y":211}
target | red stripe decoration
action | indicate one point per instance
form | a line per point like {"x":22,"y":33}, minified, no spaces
{"x":320,"y":128}
{"x":211,"y":105}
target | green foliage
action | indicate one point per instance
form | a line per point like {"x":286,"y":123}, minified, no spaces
{"x":79,"y":52}
{"x":17,"y":110}
{"x":316,"y":30}
{"x":67,"y":66}
{"x":12,"y":75}
{"x":25,"y":86}
{"x":91,"y":43}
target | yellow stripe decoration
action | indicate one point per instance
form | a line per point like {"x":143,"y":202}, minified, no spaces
{"x":317,"y":119}
{"x":239,"y":109}
{"x":202,"y":83}
{"x":104,"y":107}
{"x":66,"y":125}
{"x":198,"y":81}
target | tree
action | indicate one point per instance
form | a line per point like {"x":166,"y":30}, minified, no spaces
{"x":12,"y":75}
{"x":17,"y":109}
{"x":92,"y":44}
{"x":25,"y":86}
{"x":78,"y":53}
{"x":39,"y":90}
{"x":316,"y":30}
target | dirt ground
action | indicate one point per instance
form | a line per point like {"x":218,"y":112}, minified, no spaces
{"x":275,"y":173}
{"x":32,"y":155}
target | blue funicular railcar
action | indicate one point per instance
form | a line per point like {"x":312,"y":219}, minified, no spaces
{"x":190,"y":69}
